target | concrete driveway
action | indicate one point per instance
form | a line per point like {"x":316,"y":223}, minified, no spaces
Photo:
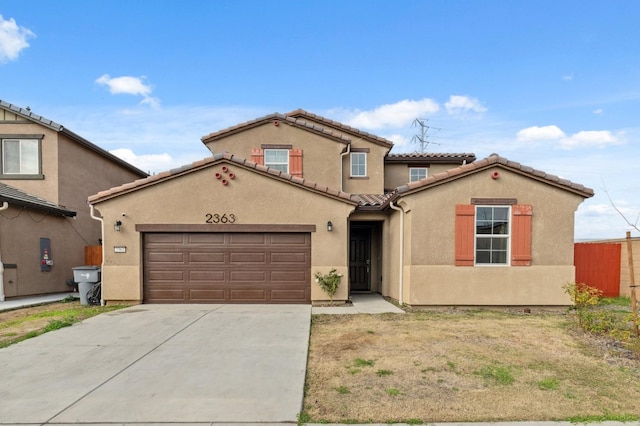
{"x":162,"y":364}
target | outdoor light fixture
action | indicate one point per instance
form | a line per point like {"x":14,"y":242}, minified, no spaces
{"x":329,"y":226}
{"x":117,"y":225}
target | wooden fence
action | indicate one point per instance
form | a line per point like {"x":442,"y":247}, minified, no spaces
{"x":93,"y":255}
{"x":598,"y":265}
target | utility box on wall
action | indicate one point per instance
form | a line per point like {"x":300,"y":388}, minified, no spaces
{"x":46,"y":261}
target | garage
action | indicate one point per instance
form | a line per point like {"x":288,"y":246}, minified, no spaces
{"x":227,"y":267}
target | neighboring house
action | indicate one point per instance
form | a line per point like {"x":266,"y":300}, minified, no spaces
{"x":286,"y":196}
{"x":47,"y":173}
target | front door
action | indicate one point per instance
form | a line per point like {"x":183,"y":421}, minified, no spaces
{"x":360,"y":259}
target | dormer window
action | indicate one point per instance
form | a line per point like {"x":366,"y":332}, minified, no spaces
{"x":358,"y":164}
{"x":277,"y":159}
{"x":20,"y":157}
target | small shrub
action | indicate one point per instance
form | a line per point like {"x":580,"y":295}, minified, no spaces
{"x":329,"y":283}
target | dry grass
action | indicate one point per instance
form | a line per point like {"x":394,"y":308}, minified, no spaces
{"x":461,"y":366}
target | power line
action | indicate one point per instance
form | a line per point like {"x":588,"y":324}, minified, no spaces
{"x":422,"y":138}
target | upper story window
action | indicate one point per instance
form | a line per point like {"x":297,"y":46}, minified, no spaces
{"x":358,"y":164}
{"x":277,"y":159}
{"x":20,"y":157}
{"x":417,"y":173}
{"x":492,"y":235}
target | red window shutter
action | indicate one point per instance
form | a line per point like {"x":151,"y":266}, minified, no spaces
{"x":465,"y":234}
{"x":257,"y":155}
{"x":295,"y":162}
{"x":521,"y":235}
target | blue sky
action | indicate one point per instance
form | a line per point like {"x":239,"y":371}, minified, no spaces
{"x":551,"y":84}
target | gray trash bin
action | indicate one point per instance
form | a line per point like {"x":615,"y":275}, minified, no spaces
{"x":86,"y":277}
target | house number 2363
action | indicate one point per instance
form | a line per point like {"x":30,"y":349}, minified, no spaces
{"x":217,"y":218}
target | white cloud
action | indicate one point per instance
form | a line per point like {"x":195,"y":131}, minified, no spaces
{"x":582,"y":139}
{"x":567,"y":77}
{"x":395,"y":115}
{"x":398,"y":140}
{"x":13,"y":39}
{"x":460,"y":104}
{"x":598,"y":111}
{"x":129,"y":86}
{"x":536,"y":133}
{"x":146,"y":162}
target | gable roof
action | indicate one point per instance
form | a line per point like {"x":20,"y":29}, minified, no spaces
{"x":491,"y":161}
{"x":431,"y":157}
{"x":20,"y":198}
{"x":38,"y":119}
{"x":214,"y":160}
{"x":273,"y":118}
{"x":298,"y":113}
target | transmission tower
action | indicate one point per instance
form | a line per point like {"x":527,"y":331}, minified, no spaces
{"x":422,"y":137}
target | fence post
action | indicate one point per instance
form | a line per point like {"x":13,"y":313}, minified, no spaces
{"x":632,"y":284}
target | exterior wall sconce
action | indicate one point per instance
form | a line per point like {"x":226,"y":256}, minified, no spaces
{"x":329,"y":226}
{"x":117,"y":225}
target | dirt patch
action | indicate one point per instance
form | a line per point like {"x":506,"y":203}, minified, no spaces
{"x":452,"y":366}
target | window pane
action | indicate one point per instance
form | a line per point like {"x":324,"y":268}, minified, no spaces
{"x":29,"y":160}
{"x":417,"y":173}
{"x":501,"y":213}
{"x":484,"y":213}
{"x":277,"y":159}
{"x":492,"y":235}
{"x":483,"y":256}
{"x":483,"y":227}
{"x":499,"y":257}
{"x":358,"y":164}
{"x":282,"y":167}
{"x":499,"y":243}
{"x":501,"y":228}
{"x":11,"y":156}
{"x":483,"y":243}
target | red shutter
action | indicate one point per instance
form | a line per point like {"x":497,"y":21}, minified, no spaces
{"x":465,"y":234}
{"x":295,"y":162}
{"x":257,"y":155}
{"x":521,"y":235}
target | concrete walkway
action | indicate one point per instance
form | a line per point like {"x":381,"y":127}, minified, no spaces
{"x":365,"y":303}
{"x":23,"y":302}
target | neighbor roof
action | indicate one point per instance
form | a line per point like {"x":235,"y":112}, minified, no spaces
{"x":20,"y":198}
{"x":276,"y":117}
{"x":28,"y":115}
{"x":431,"y":157}
{"x":215,"y":159}
{"x":491,"y":161}
{"x":343,"y":127}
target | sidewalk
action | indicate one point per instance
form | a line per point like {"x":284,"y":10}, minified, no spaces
{"x":365,"y":303}
{"x":24,"y":302}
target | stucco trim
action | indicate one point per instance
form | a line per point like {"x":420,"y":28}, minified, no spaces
{"x":207,"y":228}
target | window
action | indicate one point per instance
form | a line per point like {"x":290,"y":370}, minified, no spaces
{"x":20,"y":156}
{"x":492,"y":235}
{"x":417,"y":173}
{"x":277,"y":159}
{"x":358,"y":164}
{"x":487,"y":234}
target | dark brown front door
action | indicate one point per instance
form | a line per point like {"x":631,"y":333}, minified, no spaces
{"x":360,"y":259}
{"x":227,"y":268}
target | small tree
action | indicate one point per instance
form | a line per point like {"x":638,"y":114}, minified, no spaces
{"x":329,"y":283}
{"x":583,"y":298}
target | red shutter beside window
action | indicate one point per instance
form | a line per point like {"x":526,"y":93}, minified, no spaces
{"x":257,"y":155}
{"x":465,"y":234}
{"x":521,"y":235}
{"x":295,"y":162}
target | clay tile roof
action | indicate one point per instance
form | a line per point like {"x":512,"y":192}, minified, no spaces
{"x":343,"y":127}
{"x":16,"y":197}
{"x":210,"y":161}
{"x":431,"y":157}
{"x":273,"y":118}
{"x":373,"y":200}
{"x":492,"y":160}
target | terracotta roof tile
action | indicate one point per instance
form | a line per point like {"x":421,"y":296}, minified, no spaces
{"x":431,"y":157}
{"x":14,"y":196}
{"x":343,"y":127}
{"x":492,"y":160}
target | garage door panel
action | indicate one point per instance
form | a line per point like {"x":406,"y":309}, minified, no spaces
{"x":207,"y":257}
{"x":227,"y":268}
{"x":164,"y":257}
{"x":214,"y":277}
{"x":198,"y":239}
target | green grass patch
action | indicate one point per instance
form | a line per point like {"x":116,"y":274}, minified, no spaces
{"x":359,"y":362}
{"x":343,"y":390}
{"x":392,"y":391}
{"x":616,"y":301}
{"x":381,"y":373}
{"x":548,"y":384}
{"x":497,"y":374}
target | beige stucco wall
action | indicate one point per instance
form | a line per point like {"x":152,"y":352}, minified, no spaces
{"x":251,"y":197}
{"x":430,"y":229}
{"x":396,"y":175}
{"x":320,"y":155}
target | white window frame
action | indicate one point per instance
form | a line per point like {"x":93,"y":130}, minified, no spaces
{"x":21,"y":157}
{"x":492,"y":236}
{"x":358,"y":164}
{"x":413,"y":178}
{"x":282,"y":166}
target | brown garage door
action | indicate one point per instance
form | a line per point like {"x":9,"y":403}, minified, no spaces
{"x":227,"y":268}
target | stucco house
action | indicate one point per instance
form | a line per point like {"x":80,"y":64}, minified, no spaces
{"x":288,"y":195}
{"x":47,"y":172}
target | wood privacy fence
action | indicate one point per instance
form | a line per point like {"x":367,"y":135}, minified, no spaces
{"x":93,"y":255}
{"x":598,"y":265}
